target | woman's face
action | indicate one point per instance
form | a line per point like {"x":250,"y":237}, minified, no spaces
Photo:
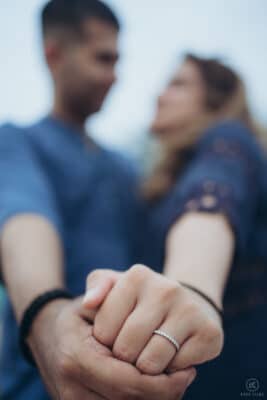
{"x":181,"y":103}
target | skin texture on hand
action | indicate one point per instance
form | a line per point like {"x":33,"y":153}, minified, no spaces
{"x":74,"y":365}
{"x":127,"y":307}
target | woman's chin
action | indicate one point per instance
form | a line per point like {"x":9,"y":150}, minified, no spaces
{"x":162,"y":136}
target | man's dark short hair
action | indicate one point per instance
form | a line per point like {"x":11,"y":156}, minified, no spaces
{"x":68,"y":16}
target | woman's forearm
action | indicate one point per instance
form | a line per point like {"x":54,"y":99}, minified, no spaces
{"x":199,"y":251}
{"x":32,"y":259}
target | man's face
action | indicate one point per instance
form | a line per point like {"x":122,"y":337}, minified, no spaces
{"x":85,"y":71}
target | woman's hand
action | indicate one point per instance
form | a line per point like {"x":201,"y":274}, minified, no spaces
{"x":74,"y":365}
{"x":138,"y":301}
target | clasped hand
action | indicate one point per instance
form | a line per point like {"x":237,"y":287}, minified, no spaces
{"x":126,"y":308}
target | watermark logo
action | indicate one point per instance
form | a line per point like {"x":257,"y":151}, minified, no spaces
{"x":252,"y":386}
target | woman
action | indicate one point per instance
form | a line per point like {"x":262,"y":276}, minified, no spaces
{"x":205,"y":232}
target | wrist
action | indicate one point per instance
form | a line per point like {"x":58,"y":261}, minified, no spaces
{"x":43,"y":331}
{"x":215,"y":294}
{"x":36,"y":318}
{"x":45,"y":318}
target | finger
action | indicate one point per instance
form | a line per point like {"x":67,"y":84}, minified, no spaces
{"x":193,"y":352}
{"x":174,"y":389}
{"x":159,"y":351}
{"x":137,"y":331}
{"x":98,"y":285}
{"x":87,"y":315}
{"x":114,"y":311}
{"x":113,"y":378}
{"x":179,"y":382}
{"x":190,"y":374}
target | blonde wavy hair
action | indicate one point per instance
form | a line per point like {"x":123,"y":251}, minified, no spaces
{"x":225,"y":98}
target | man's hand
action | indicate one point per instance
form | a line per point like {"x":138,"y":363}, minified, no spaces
{"x":75,"y":366}
{"x":133,"y":304}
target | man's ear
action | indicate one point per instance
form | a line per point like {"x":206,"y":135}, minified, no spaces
{"x":53,"y":52}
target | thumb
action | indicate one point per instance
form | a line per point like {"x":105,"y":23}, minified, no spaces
{"x":98,"y":284}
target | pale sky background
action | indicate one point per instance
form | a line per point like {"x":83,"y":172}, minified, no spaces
{"x":155,"y":34}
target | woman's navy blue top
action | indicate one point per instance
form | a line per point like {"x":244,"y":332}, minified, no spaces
{"x":225,"y":173}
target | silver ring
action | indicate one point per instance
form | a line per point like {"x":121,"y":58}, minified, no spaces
{"x":171,"y":339}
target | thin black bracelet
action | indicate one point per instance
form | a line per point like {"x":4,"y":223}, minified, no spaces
{"x":206,"y":297}
{"x":30,"y":314}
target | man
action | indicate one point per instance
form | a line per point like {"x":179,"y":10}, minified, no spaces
{"x":67,"y":206}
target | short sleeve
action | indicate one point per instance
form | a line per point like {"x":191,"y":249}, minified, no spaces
{"x":224,"y":176}
{"x":24,"y":186}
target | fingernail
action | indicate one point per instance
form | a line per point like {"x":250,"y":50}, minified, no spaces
{"x":90,"y":294}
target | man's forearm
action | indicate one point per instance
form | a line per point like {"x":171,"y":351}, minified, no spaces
{"x":199,"y":251}
{"x":31,"y":258}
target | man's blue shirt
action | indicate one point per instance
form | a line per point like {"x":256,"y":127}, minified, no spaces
{"x":89,"y":195}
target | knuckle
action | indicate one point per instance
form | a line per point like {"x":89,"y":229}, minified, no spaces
{"x":191,"y":310}
{"x":92,"y":276}
{"x":218,"y":340}
{"x":211,"y":332}
{"x":101,"y":334}
{"x":138,"y":271}
{"x":218,"y":352}
{"x":211,"y":338}
{"x":169,"y":292}
{"x":204,"y":336}
{"x":122,"y":353}
{"x":148,"y":366}
{"x":216,"y":332}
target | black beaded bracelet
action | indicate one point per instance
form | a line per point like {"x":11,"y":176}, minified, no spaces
{"x":30,"y":314}
{"x":206,"y":297}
